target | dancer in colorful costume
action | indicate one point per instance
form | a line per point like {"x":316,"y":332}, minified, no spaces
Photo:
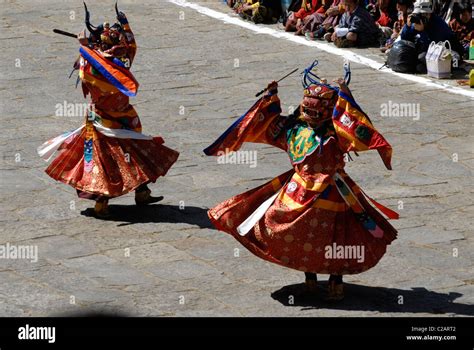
{"x":312,"y":217}
{"x":108,"y":156}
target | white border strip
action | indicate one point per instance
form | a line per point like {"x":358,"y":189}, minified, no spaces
{"x":347,"y":54}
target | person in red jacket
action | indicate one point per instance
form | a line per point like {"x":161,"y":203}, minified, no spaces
{"x":296,"y":20}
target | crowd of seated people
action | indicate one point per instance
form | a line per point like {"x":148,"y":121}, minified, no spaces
{"x":370,"y":23}
{"x":318,"y":24}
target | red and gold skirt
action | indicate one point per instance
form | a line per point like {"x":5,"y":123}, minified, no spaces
{"x":324,"y":236}
{"x":108,"y":166}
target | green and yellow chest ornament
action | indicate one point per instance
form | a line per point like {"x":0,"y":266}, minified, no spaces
{"x":302,"y":142}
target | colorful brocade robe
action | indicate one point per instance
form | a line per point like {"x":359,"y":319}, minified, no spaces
{"x":304,"y":218}
{"x":108,"y":156}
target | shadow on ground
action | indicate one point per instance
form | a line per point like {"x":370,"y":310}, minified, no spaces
{"x":132,"y":214}
{"x":365,"y":298}
{"x":93,"y":314}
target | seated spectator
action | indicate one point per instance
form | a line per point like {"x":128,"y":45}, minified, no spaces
{"x":458,"y":7}
{"x":449,"y":9}
{"x":387,"y":13}
{"x":322,"y":24}
{"x":441,"y":7}
{"x":371,"y":7}
{"x":463,"y":27}
{"x":296,"y":20}
{"x":387,"y":16}
{"x":403,"y":7}
{"x":423,"y":27}
{"x":415,"y":30}
{"x":356,"y":28}
{"x":312,"y":22}
{"x":258,"y":11}
{"x":428,"y":26}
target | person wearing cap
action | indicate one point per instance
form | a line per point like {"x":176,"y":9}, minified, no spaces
{"x":387,"y":13}
{"x":424,"y":26}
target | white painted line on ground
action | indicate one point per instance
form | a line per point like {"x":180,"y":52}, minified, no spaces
{"x":330,"y":48}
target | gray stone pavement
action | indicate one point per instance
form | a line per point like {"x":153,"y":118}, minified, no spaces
{"x":178,"y":265}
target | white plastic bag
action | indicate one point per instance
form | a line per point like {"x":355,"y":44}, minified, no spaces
{"x":438,"y":60}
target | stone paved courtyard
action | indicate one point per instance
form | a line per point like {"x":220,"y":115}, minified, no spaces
{"x":166,"y":259}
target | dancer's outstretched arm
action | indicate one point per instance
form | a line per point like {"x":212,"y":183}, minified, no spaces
{"x":262,"y":123}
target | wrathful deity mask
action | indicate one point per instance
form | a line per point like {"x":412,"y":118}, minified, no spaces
{"x":318,"y":104}
{"x":104,"y":35}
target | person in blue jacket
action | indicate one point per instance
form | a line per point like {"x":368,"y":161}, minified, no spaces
{"x":424,"y":26}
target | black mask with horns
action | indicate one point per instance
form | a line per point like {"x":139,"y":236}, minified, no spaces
{"x":96,"y":31}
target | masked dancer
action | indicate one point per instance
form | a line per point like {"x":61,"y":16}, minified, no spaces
{"x":108,"y":156}
{"x":314,"y":218}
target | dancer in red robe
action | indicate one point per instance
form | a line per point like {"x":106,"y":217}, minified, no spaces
{"x":108,"y":156}
{"x":313,"y":218}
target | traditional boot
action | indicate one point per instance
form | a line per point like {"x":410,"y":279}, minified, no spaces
{"x":311,"y":282}
{"x":101,"y":209}
{"x":143,"y":196}
{"x":335,"y":288}
{"x":307,"y":289}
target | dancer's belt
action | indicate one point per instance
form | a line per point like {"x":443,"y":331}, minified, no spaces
{"x":348,"y":196}
{"x":47,"y":150}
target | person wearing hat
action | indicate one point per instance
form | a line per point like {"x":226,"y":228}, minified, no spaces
{"x":425,"y":26}
{"x":414,"y":29}
{"x":300,"y":218}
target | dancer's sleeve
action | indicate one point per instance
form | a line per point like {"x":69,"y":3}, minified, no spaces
{"x":129,"y":36}
{"x":260,"y":124}
{"x":355,"y":130}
